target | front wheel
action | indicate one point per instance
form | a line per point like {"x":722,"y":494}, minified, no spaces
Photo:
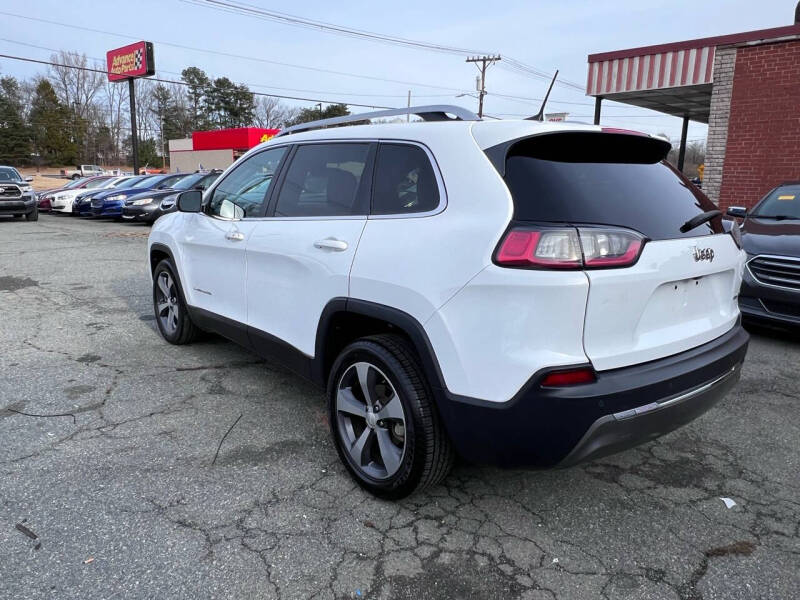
{"x":383,"y":419}
{"x":33,"y":215}
{"x":172,"y":317}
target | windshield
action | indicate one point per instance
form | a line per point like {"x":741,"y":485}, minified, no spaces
{"x":169,"y":181}
{"x":9,"y":174}
{"x":781,"y":203}
{"x":73,"y":184}
{"x":144,"y":182}
{"x":188,"y":182}
{"x":96,"y":183}
{"x":127,"y":183}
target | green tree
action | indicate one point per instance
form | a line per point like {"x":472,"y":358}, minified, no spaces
{"x":313,"y":114}
{"x":50,"y":122}
{"x":197,"y":83}
{"x":228,"y":104}
{"x":15,"y":141}
{"x":148,"y":153}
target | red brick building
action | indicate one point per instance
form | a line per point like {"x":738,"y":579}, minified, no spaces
{"x":746,"y":86}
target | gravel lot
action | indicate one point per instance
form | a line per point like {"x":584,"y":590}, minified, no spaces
{"x":126,"y":501}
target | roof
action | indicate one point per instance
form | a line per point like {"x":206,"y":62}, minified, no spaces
{"x":671,"y":78}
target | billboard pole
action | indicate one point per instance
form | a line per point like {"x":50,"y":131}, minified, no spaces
{"x":134,"y":133}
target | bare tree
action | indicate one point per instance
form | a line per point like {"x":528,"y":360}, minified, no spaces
{"x":76,"y":87}
{"x":271,"y":113}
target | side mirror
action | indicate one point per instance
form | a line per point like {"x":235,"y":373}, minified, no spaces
{"x":190,"y":201}
{"x":29,"y":179}
{"x":740,"y":212}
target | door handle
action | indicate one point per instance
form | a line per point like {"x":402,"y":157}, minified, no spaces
{"x":234,"y":236}
{"x":331,"y":244}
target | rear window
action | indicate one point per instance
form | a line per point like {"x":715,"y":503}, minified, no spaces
{"x":604,"y":179}
{"x":780,"y":203}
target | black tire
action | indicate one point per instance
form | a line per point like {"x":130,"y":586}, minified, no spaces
{"x":33,"y":215}
{"x":76,"y":176}
{"x":427,"y":454}
{"x":184,"y":331}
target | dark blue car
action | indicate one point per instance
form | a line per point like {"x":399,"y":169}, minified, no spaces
{"x":110,"y":202}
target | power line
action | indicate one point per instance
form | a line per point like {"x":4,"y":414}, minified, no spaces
{"x":172,"y":81}
{"x":251,"y":10}
{"x":231,"y":55}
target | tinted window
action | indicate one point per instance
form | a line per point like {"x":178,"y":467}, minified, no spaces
{"x":170,"y":181}
{"x":606,"y":179}
{"x":782,"y":202}
{"x":404,"y":181}
{"x":243,"y":191}
{"x":324,"y":180}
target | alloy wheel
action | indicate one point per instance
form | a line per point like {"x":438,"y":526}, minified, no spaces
{"x":167,"y":307}
{"x":371,"y":420}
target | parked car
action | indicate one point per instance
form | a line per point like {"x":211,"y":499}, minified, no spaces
{"x":45,"y":198}
{"x":110,"y":203}
{"x":771,"y":237}
{"x":149,"y":206}
{"x":503,"y":290}
{"x":61,"y":200}
{"x":82,"y":206}
{"x":82,"y":171}
{"x":17,"y":197}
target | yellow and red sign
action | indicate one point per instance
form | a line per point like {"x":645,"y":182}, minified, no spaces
{"x":134,"y":60}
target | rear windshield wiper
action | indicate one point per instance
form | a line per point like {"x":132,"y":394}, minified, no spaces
{"x":698,"y":220}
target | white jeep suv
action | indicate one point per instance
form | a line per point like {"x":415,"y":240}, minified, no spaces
{"x":514,"y":292}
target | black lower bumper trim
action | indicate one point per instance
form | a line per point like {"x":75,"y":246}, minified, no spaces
{"x":548,"y":427}
{"x":623,"y":430}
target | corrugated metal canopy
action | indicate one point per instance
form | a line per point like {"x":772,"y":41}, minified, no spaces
{"x":675,"y":79}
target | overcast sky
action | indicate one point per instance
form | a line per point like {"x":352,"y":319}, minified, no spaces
{"x":543,"y":34}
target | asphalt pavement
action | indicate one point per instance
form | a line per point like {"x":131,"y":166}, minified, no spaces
{"x":129,"y":493}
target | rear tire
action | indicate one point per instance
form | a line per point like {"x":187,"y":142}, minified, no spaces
{"x":33,"y":215}
{"x":398,"y":446}
{"x":172,"y":317}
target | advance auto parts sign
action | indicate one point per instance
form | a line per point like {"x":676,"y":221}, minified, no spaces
{"x":135,"y":60}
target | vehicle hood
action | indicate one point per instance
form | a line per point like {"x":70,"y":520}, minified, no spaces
{"x":154,"y":194}
{"x":767,"y":236}
{"x":124,"y":192}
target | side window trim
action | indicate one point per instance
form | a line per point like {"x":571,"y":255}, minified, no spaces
{"x":365,"y":185}
{"x":213,"y":188}
{"x":436,"y":172}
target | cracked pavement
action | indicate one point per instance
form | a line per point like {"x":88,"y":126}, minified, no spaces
{"x":124,"y":501}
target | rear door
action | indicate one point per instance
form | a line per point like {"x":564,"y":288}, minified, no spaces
{"x":299,"y":257}
{"x":682,"y":291}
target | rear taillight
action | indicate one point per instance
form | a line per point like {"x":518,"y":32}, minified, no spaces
{"x":584,"y":247}
{"x":572,"y":377}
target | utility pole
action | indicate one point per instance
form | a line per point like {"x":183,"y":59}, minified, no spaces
{"x":485,"y":62}
{"x":408,"y":114}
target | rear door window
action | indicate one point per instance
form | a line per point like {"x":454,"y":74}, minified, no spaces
{"x":404,"y":182}
{"x":325,"y":180}
{"x":604,"y":179}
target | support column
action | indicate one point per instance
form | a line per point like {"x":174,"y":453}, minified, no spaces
{"x":134,"y":133}
{"x":598,"y":102}
{"x":682,"y":150}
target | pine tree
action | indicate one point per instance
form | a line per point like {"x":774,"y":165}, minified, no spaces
{"x":15,"y":141}
{"x":50,"y":123}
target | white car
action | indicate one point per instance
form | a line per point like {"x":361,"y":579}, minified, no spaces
{"x":63,"y":199}
{"x":516,"y":292}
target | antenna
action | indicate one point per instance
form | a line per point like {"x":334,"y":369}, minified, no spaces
{"x":540,"y":115}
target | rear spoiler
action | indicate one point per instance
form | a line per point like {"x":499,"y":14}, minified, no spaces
{"x":576,"y":146}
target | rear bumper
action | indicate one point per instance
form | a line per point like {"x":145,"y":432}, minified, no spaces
{"x":549,"y":427}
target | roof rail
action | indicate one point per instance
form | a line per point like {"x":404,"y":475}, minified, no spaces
{"x":433,"y":112}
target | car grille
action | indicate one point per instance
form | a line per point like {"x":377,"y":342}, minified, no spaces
{"x":775,"y":270}
{"x":782,"y":308}
{"x":9,"y":191}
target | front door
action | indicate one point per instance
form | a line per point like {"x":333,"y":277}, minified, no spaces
{"x":214,"y":247}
